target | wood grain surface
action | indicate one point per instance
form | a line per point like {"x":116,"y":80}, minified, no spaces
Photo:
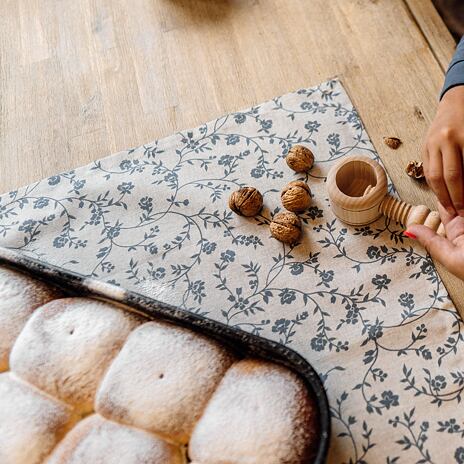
{"x":83,"y":79}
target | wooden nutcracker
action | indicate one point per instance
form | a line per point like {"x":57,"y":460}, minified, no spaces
{"x":357,"y":187}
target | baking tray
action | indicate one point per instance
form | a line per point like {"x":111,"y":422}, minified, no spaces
{"x":240,"y":341}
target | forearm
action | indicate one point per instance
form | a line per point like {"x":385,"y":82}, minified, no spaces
{"x":455,"y":73}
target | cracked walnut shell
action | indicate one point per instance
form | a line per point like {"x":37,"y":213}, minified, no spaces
{"x":296,"y":196}
{"x":246,"y":201}
{"x":300,"y":158}
{"x":415,"y":169}
{"x":286,"y":227}
{"x":392,"y":142}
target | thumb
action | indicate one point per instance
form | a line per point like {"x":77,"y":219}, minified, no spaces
{"x":439,"y":248}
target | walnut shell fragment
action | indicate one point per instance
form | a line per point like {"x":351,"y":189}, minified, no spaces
{"x":296,"y":196}
{"x":300,"y":158}
{"x":415,"y":169}
{"x":246,"y":201}
{"x":286,"y":227}
{"x":392,"y":142}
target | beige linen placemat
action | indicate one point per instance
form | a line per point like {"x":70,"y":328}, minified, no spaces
{"x":364,"y":305}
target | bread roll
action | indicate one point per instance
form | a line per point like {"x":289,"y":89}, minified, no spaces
{"x":67,"y":345}
{"x":260,"y":413}
{"x":31,"y":423}
{"x":162,"y":379}
{"x":96,"y":440}
{"x":19,"y":296}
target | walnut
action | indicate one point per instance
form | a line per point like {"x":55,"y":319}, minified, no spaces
{"x":392,"y":142}
{"x":246,"y":201}
{"x":300,"y":158}
{"x":415,"y":169}
{"x":286,"y":227}
{"x":296,"y":196}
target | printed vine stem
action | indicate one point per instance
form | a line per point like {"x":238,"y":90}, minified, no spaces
{"x":442,"y":397}
{"x":336,"y":413}
{"x":416,"y":442}
{"x":418,"y":257}
{"x":278,"y":265}
{"x":342,"y":151}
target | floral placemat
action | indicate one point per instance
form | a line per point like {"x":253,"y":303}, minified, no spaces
{"x":364,"y":305}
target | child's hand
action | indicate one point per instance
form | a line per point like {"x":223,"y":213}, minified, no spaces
{"x":444,"y":151}
{"x":450,"y":250}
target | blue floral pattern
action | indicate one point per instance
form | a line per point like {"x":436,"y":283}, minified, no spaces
{"x":364,"y":305}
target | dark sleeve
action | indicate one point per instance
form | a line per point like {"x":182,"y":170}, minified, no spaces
{"x":455,"y":73}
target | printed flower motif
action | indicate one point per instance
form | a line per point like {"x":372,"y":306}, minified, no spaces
{"x":209,"y":247}
{"x":459,"y":455}
{"x":125,"y":165}
{"x":248,"y":240}
{"x":266,"y":124}
{"x":318,"y":343}
{"x":158,"y":273}
{"x":228,"y":256}
{"x":373,"y":252}
{"x":225,"y":160}
{"x":381,"y":281}
{"x":126,"y":187}
{"x":406,"y":300}
{"x":240,"y":118}
{"x":426,"y":354}
{"x":438,"y":383}
{"x":113,"y":232}
{"x":296,"y":268}
{"x":170,"y":177}
{"x":152,"y":249}
{"x":232,"y":139}
{"x":427,"y":268}
{"x":280,"y":326}
{"x":327,"y":276}
{"x":27,"y":226}
{"x":389,"y":399}
{"x":198,"y":290}
{"x":287,"y":296}
{"x":352,"y":314}
{"x":189,"y":141}
{"x":60,"y":241}
{"x":375,"y":331}
{"x":41,"y":203}
{"x":79,"y":185}
{"x":146,"y":203}
{"x":333,"y":139}
{"x":314,"y":212}
{"x":452,"y":426}
{"x":312,"y":126}
{"x":54,"y":180}
{"x":257,"y":173}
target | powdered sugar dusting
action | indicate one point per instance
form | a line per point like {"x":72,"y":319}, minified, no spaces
{"x":260,"y":413}
{"x":96,"y":440}
{"x":162,"y":379}
{"x":20,"y":295}
{"x":30,"y":423}
{"x":67,"y":345}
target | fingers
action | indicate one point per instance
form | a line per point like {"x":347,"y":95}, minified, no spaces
{"x":454,"y":226}
{"x":452,"y":173}
{"x":444,"y":215}
{"x":438,"y":247}
{"x":435,"y":179}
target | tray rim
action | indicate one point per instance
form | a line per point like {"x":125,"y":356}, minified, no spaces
{"x":151,"y":308}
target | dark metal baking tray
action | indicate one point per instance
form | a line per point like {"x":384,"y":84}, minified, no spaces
{"x":245,"y":343}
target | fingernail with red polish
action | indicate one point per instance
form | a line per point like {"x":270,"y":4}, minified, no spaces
{"x":409,"y":234}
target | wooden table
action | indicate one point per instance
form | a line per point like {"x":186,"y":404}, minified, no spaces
{"x":81,"y":80}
